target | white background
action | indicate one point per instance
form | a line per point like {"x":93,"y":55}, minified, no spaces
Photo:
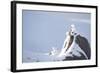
{"x":5,"y":37}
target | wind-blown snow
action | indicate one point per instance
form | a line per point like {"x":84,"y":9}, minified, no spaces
{"x":60,"y":55}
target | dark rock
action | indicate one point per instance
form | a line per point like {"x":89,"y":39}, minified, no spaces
{"x":82,"y":57}
{"x":84,"y":45}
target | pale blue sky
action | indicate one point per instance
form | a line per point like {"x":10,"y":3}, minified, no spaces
{"x":43,"y":30}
